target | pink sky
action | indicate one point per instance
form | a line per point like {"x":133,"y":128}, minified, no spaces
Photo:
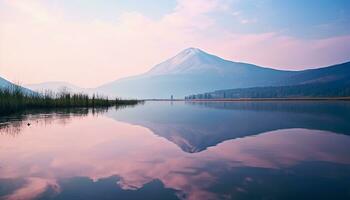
{"x":39,"y":43}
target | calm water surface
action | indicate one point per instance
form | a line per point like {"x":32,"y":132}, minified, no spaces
{"x":179,"y":150}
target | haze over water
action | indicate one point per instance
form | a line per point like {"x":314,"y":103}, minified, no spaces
{"x":179,"y":150}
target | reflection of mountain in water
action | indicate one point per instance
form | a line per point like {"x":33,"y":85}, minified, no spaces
{"x":196,"y":126}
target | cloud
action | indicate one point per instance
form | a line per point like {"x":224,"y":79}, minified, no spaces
{"x":30,"y":8}
{"x":37,"y":38}
{"x":286,"y":52}
{"x":238,"y":16}
{"x":247,"y":21}
{"x":33,"y":188}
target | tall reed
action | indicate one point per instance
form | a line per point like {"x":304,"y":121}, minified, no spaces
{"x":13,"y":99}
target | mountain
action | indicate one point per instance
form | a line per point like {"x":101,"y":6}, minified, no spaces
{"x":335,"y":73}
{"x":56,"y":86}
{"x":5,"y":84}
{"x":194,"y":71}
{"x":333,"y":81}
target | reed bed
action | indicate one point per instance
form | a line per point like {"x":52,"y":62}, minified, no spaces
{"x":15,"y":99}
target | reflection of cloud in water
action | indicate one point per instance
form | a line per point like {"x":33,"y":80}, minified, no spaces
{"x":98,"y":147}
{"x":33,"y":188}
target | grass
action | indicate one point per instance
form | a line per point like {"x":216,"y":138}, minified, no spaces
{"x":13,"y":99}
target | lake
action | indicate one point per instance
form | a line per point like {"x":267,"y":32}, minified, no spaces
{"x":179,"y":150}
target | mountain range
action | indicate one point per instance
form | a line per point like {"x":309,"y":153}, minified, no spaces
{"x":333,"y":81}
{"x":193,"y":71}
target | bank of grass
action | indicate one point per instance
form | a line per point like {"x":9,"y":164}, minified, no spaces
{"x":14,"y":99}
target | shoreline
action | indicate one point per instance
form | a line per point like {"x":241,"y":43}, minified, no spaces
{"x":258,"y":99}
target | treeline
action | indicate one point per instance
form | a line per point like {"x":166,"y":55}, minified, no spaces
{"x":14,"y":99}
{"x":336,"y":89}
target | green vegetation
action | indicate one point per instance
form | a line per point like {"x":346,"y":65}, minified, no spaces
{"x":14,"y":99}
{"x":315,"y":90}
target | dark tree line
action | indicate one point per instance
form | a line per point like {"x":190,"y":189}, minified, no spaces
{"x":335,"y":89}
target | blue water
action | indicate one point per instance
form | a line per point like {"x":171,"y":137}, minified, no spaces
{"x":179,"y":150}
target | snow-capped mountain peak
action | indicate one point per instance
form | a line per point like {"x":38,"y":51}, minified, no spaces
{"x":187,"y":61}
{"x":185,"y":55}
{"x":190,"y":52}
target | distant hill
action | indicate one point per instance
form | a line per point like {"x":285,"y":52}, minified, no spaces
{"x":56,"y":86}
{"x":5,"y":84}
{"x":333,"y":81}
{"x":336,"y":73}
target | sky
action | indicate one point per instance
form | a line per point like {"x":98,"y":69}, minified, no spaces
{"x":92,"y":42}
